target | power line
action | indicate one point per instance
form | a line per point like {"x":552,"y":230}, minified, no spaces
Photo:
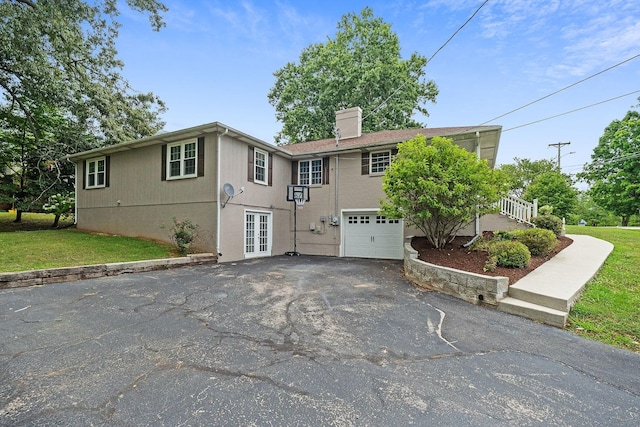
{"x":429,"y":60}
{"x":563,"y":89}
{"x":572,"y":111}
{"x":457,"y":31}
{"x":621,"y":158}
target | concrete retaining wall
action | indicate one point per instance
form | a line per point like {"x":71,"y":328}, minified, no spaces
{"x":471,"y":287}
{"x":70,"y":274}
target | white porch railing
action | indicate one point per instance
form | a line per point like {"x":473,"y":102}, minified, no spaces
{"x":518,"y":209}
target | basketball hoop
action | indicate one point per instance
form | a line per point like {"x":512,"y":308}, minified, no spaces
{"x":297,"y":194}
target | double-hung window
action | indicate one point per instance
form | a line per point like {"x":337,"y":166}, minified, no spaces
{"x":260,"y":166}
{"x":380,"y":161}
{"x":310,"y":172}
{"x":181,"y":161}
{"x":96,"y":173}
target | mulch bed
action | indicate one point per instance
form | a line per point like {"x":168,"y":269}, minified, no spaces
{"x":454,"y":255}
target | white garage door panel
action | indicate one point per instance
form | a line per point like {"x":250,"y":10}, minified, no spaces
{"x":372,"y":236}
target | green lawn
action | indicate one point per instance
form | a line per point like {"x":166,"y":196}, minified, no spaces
{"x":609,"y":309}
{"x":48,"y":248}
{"x":30,"y":221}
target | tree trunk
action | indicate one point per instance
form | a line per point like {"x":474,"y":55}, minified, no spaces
{"x":55,"y":221}
{"x":18,"y":216}
{"x":625,"y":220}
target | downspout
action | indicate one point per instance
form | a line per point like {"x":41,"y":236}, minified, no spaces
{"x":477,"y":220}
{"x":218,"y":177}
{"x":75,"y":188}
{"x":335,"y":231}
{"x":336,"y":131}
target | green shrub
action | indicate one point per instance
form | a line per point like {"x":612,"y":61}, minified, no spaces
{"x":510,"y":253}
{"x":545,"y":210}
{"x":548,"y":222}
{"x":481,"y":244}
{"x":183,"y":233}
{"x":503,"y":235}
{"x":490,"y":264}
{"x":539,"y":241}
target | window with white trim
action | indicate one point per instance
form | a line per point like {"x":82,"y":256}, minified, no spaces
{"x":260,"y":166}
{"x":310,"y":172}
{"x":96,"y":173}
{"x":380,"y":161}
{"x":181,"y":160}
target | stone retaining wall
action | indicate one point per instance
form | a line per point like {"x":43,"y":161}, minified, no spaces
{"x":471,"y":287}
{"x":69,"y":274}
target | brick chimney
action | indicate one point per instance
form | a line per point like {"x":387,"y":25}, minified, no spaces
{"x":349,"y":122}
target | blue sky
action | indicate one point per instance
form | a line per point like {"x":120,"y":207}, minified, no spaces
{"x":214,"y":61}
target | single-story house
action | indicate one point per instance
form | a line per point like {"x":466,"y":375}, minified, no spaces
{"x":136,"y":188}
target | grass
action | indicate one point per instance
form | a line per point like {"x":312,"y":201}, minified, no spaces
{"x":30,"y":221}
{"x":609,"y":309}
{"x":34,"y":245}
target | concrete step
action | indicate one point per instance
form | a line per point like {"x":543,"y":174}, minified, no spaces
{"x":558,"y":302}
{"x":532,"y":311}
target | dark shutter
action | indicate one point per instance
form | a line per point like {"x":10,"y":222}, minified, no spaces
{"x":251,"y":159}
{"x":270,"y":179}
{"x":294,"y":172}
{"x":201,"y":156}
{"x":365,"y":163}
{"x":325,"y":170}
{"x":164,"y":162}
{"x":107,"y":170}
{"x":81,"y":176}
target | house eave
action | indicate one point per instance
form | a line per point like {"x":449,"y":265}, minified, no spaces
{"x":489,"y":141}
{"x":169,"y":137}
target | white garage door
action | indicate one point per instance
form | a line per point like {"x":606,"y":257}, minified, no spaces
{"x":368,"y":235}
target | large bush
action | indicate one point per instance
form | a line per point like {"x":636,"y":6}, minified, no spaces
{"x":539,"y":241}
{"x":510,"y":253}
{"x":439,"y":187}
{"x":548,"y":222}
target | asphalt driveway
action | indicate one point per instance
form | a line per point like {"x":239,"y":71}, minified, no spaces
{"x":294,"y":341}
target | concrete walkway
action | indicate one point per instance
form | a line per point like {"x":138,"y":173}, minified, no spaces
{"x":547,"y":293}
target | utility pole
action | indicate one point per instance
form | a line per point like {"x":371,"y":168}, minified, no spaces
{"x":559,"y":145}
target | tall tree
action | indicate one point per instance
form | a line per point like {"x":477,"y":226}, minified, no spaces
{"x":523,"y":171}
{"x":61,"y":91}
{"x":360,"y":67}
{"x":439,"y":187}
{"x":553,"y":189}
{"x":62,"y":53}
{"x":32,"y":169}
{"x":614,"y":171}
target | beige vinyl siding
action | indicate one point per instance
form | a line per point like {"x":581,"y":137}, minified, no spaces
{"x":355,"y":191}
{"x":256,"y":196}
{"x":146,"y":202}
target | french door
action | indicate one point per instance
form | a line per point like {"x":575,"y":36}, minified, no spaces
{"x":257,"y":234}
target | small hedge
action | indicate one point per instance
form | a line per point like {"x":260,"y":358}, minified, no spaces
{"x":548,"y":222}
{"x":539,"y":241}
{"x":510,"y":253}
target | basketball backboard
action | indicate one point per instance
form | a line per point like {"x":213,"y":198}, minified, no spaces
{"x":297,"y":192}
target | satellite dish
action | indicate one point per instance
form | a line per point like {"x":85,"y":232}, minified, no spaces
{"x":229,"y":190}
